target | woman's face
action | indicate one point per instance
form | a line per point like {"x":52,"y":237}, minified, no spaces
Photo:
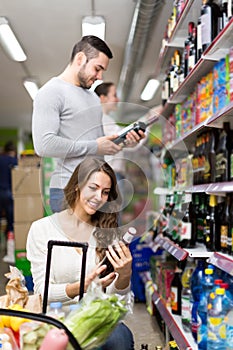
{"x":94,"y":194}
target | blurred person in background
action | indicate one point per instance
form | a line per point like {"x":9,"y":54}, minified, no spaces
{"x":109,"y":101}
{"x":8,"y":160}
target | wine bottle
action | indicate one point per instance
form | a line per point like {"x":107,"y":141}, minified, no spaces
{"x":176,"y":290}
{"x":225,"y":225}
{"x":187,"y":45}
{"x":210,"y":13}
{"x":137,"y":126}
{"x":192,"y":60}
{"x":210,"y":233}
{"x":127,"y":239}
{"x":199,"y":39}
{"x":223,"y":154}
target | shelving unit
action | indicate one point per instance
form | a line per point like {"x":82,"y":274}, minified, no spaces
{"x":183,"y":339}
{"x":218,"y":49}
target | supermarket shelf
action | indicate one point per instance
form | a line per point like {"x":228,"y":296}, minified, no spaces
{"x":220,"y":45}
{"x":183,"y":339}
{"x":181,"y":253}
{"x":172,"y":248}
{"x":222,"y":261}
{"x":215,"y":188}
{"x":190,"y":12}
{"x":199,"y":251}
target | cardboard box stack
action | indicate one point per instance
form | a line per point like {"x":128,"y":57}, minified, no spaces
{"x":28,"y":207}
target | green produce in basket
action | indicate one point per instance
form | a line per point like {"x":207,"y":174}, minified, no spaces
{"x":93,"y":322}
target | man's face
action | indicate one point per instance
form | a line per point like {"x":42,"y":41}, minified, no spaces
{"x":92,"y":70}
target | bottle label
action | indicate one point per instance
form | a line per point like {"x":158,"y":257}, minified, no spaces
{"x":127,"y":238}
{"x":221,"y":165}
{"x":186,"y":230}
{"x":186,"y":313}
{"x":174,"y":298}
{"x":206,"y":28}
{"x":223,"y":235}
{"x":216,"y":328}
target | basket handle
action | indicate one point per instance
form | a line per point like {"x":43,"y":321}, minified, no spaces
{"x":52,"y":243}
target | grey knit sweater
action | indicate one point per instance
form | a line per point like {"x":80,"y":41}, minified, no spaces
{"x":66,"y":122}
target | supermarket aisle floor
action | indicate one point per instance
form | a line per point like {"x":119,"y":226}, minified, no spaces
{"x":144,"y":327}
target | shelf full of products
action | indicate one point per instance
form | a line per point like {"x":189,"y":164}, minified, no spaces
{"x":183,"y":340}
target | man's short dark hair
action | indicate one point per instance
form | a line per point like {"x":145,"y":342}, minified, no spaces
{"x":103,"y":88}
{"x":91,"y":46}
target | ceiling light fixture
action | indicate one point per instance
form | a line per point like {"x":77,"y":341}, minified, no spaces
{"x":93,"y":25}
{"x":31,"y":87}
{"x":150,"y":89}
{"x":9,"y":41}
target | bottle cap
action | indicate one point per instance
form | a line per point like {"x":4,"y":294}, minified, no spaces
{"x":55,"y":305}
{"x":209,"y":271}
{"x":220,"y":291}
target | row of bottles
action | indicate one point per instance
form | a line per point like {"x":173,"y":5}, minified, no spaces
{"x":213,"y":18}
{"x":208,"y":219}
{"x":203,"y":297}
{"x":213,"y":156}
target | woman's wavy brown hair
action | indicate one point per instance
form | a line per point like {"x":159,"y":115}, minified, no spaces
{"x":105,"y":219}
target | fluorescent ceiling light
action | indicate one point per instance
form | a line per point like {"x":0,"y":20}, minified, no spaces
{"x":9,"y":42}
{"x":150,"y":89}
{"x":31,"y":87}
{"x":93,"y":25}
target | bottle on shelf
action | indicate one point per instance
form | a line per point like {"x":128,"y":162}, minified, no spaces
{"x":216,"y":324}
{"x":187,"y":45}
{"x":176,"y":290}
{"x":196,"y":289}
{"x":230,"y":233}
{"x":210,"y":233}
{"x":192,"y":60}
{"x":201,"y":218}
{"x":210,"y":14}
{"x":186,"y":294}
{"x":224,"y":19}
{"x":186,"y":223}
{"x":223,"y":152}
{"x":225,"y":226}
{"x":207,"y":285}
{"x":199,"y":39}
{"x":177,"y":78}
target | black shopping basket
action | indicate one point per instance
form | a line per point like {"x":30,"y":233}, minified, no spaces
{"x":42,"y":317}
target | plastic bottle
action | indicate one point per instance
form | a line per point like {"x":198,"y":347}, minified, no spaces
{"x":207,"y":286}
{"x":216,"y":324}
{"x":196,"y":288}
{"x":55,"y":310}
{"x":186,"y":295}
{"x":229,"y":330}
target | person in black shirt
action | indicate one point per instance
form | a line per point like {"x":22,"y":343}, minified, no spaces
{"x":8,"y":160}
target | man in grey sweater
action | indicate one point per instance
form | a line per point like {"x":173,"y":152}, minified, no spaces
{"x":67,"y":116}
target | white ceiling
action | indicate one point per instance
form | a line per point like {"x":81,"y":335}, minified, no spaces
{"x":48,"y":29}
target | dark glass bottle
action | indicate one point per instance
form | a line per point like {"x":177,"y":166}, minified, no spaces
{"x":192,"y":50}
{"x":211,"y":224}
{"x":224,"y":19}
{"x":199,"y":39}
{"x":230,"y":236}
{"x":176,"y":290}
{"x":223,"y":154}
{"x":186,"y":223}
{"x":187,"y":45}
{"x":225,"y":225}
{"x":200,"y":219}
{"x":210,"y":14}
